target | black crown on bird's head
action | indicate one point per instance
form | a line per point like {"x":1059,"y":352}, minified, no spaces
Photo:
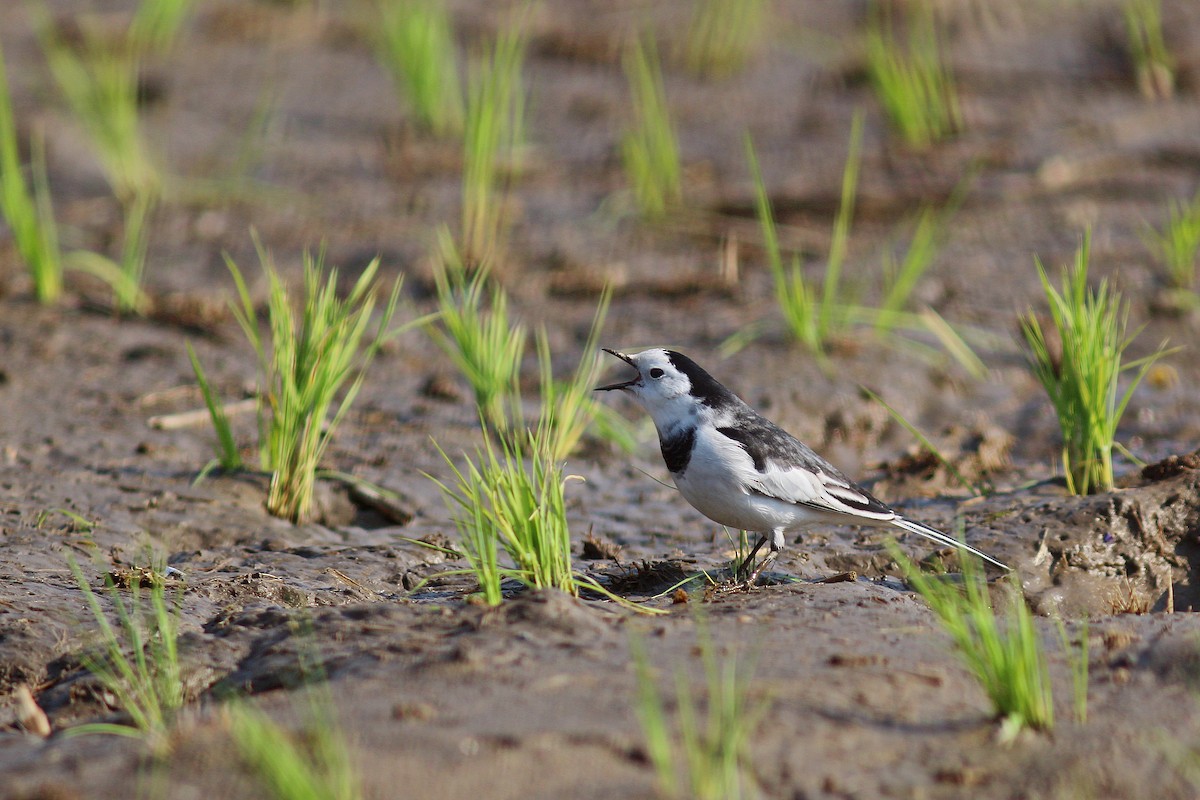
{"x":705,"y":387}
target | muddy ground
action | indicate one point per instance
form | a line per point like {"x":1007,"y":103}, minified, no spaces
{"x":276,"y":117}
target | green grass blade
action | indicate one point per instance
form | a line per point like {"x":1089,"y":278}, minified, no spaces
{"x":925,"y":443}
{"x":953,"y":343}
{"x":227,"y":451}
{"x":830,"y":288}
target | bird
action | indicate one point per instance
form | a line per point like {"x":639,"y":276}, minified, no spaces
{"x":743,"y":471}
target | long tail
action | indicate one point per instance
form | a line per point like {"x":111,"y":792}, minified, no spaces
{"x":941,"y":538}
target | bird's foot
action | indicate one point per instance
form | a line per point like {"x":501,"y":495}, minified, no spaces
{"x":752,"y":580}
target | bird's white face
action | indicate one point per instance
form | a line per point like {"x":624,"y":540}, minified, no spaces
{"x":659,"y":386}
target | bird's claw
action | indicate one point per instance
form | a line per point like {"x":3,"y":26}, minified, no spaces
{"x":752,"y":580}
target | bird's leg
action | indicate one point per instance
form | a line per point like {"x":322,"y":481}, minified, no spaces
{"x":749,"y":559}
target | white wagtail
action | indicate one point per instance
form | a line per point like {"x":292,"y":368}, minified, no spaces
{"x":741,"y":470}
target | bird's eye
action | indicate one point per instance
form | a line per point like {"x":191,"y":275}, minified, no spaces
{"x":656,"y":373}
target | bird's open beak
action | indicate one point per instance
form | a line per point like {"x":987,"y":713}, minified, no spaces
{"x":622,"y":384}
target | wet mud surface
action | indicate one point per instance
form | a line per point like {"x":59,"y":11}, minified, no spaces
{"x":864,"y":695}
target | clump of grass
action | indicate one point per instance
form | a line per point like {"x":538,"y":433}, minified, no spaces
{"x":414,"y":41}
{"x":474,"y":329}
{"x":911,"y":80}
{"x":137,"y":661}
{"x":511,"y":496}
{"x":702,"y":756}
{"x":650,"y":149}
{"x":99,"y":79}
{"x":724,"y":35}
{"x":98,"y":76}
{"x":315,"y":766}
{"x":1177,"y":243}
{"x":307,"y":360}
{"x":817,"y":312}
{"x":1008,"y":660}
{"x":494,"y":132}
{"x":1079,"y":364}
{"x":27,"y":208}
{"x":1153,"y":64}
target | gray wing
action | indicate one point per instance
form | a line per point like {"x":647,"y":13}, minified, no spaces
{"x":787,"y":469}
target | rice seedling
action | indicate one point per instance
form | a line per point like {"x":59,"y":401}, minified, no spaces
{"x":308,"y":359}
{"x":1177,"y":243}
{"x":512,"y":496}
{"x":1153,"y":64}
{"x":156,"y":24}
{"x":99,"y":80}
{"x":724,"y":35}
{"x":569,"y":407}
{"x":813,"y":314}
{"x":817,"y":313}
{"x":316,"y":765}
{"x":706,"y":755}
{"x":494,"y":131}
{"x":414,"y":41}
{"x":912,"y":81}
{"x":229,"y":458}
{"x":136,"y":661}
{"x":1008,"y":660}
{"x":474,"y":330}
{"x":27,"y":208}
{"x":649,"y":149}
{"x":1079,"y":364}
